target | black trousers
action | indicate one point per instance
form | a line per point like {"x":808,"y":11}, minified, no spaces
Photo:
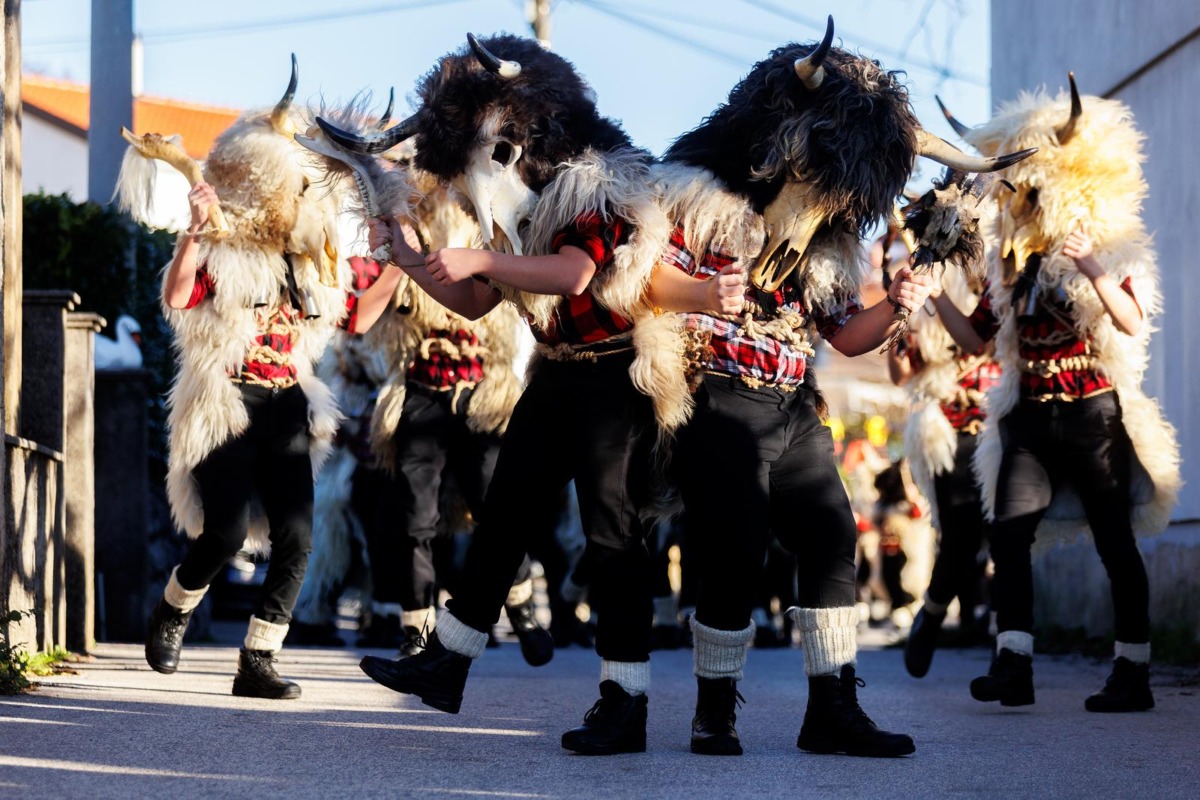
{"x":1045,"y":445}
{"x":749,"y":463}
{"x":431,"y":440}
{"x":578,"y":420}
{"x":956,"y":570}
{"x":270,"y":459}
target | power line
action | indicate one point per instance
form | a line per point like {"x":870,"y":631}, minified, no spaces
{"x":710,"y":24}
{"x":669,"y":35}
{"x":201,"y":31}
{"x":810,"y":22}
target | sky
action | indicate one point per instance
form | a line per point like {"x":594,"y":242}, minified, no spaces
{"x":660,"y":66}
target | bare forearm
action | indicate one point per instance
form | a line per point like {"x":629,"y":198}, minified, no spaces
{"x":1124,"y":310}
{"x":958,"y":326}
{"x":468,"y":298}
{"x":900,"y":369}
{"x":181,"y":274}
{"x":673,"y":290}
{"x":866,"y":330}
{"x":376,"y":298}
{"x":567,"y":272}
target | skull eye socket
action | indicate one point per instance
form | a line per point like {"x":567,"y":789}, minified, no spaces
{"x":502,"y":153}
{"x":1032,"y":198}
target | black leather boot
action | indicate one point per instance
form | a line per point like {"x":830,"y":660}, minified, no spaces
{"x":256,"y":677}
{"x":713,"y":732}
{"x":413,"y":642}
{"x":836,"y":723}
{"x":164,"y":637}
{"x":1127,"y":689}
{"x":1009,"y":680}
{"x":615,"y":724}
{"x":922,"y":640}
{"x":436,"y":675}
{"x":537,"y":645}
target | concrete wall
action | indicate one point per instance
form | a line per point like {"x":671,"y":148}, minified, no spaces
{"x":1148,"y":56}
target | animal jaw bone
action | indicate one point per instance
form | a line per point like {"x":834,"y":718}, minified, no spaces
{"x":156,"y":146}
{"x":791,"y":220}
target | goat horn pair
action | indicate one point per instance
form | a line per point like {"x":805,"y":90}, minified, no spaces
{"x":493,"y":64}
{"x":1062,"y":133}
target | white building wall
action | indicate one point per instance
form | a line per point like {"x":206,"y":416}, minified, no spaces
{"x":1148,"y":56}
{"x":53,"y":160}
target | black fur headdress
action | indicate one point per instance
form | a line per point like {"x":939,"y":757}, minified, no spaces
{"x":853,"y":138}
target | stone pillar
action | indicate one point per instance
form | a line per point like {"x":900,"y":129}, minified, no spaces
{"x":79,"y":484}
{"x":44,"y":422}
{"x":122,"y":519}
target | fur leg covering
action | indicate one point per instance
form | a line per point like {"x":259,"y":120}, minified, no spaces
{"x":632,"y":676}
{"x":180,"y":598}
{"x":419,"y":619}
{"x":263,"y":635}
{"x":460,"y":638}
{"x":1137,"y":653}
{"x":1017,"y":641}
{"x":520,"y":593}
{"x":829,"y":637}
{"x":717,"y":653}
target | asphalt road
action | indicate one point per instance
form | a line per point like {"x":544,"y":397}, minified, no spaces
{"x":116,"y":729}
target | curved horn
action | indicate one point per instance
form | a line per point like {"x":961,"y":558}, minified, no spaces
{"x":945,"y":153}
{"x":279,"y":115}
{"x":1065,"y":131}
{"x":809,"y":69}
{"x":497,"y":66}
{"x":959,"y":128}
{"x":387,"y":112}
{"x":372,"y":142}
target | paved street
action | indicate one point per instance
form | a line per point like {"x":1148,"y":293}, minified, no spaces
{"x":116,"y":729}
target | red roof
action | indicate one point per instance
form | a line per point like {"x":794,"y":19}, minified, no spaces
{"x":69,"y":103}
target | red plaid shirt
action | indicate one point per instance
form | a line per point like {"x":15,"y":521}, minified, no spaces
{"x":581,"y":319}
{"x":278,"y":370}
{"x":447,"y":364}
{"x":976,"y":376}
{"x":1047,"y":335}
{"x":734,"y":353}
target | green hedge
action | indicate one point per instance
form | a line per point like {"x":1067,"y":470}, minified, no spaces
{"x":113,"y":264}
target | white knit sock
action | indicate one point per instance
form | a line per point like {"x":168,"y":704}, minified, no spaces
{"x":458,"y":637}
{"x":829,"y":637}
{"x":1138,"y":653}
{"x":1017,"y":641}
{"x":419,"y":619}
{"x":263,"y":635}
{"x":632,"y":676}
{"x":717,"y":653}
{"x":180,"y":598}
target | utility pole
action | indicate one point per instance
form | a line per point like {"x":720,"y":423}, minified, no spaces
{"x":538,"y":14}
{"x":111,"y":94}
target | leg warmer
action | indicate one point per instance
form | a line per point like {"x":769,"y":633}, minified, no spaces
{"x":180,"y":598}
{"x":632,"y":676}
{"x":717,"y":653}
{"x":1137,"y":653}
{"x":1017,"y":641}
{"x":263,"y":635}
{"x":460,"y":638}
{"x":829,"y":637}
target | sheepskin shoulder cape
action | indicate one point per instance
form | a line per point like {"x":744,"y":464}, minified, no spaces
{"x":1095,"y":176}
{"x":211,"y":341}
{"x":407,"y":331}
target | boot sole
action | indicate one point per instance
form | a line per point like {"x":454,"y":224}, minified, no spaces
{"x":834,"y":751}
{"x":287,"y":694}
{"x":721,"y":749}
{"x":449,"y":703}
{"x":159,"y":668}
{"x":594,"y":750}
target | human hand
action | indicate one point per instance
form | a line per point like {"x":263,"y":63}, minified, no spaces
{"x":910,"y":290}
{"x":379,"y":233}
{"x":406,"y":244}
{"x":453,"y":264}
{"x":202,"y":198}
{"x":727,"y":290}
{"x":1078,"y":245}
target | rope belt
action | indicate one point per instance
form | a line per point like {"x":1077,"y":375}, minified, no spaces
{"x":586,"y":352}
{"x":753,"y":382}
{"x":458,"y":388}
{"x":1050,"y":367}
{"x":1063,"y":397}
